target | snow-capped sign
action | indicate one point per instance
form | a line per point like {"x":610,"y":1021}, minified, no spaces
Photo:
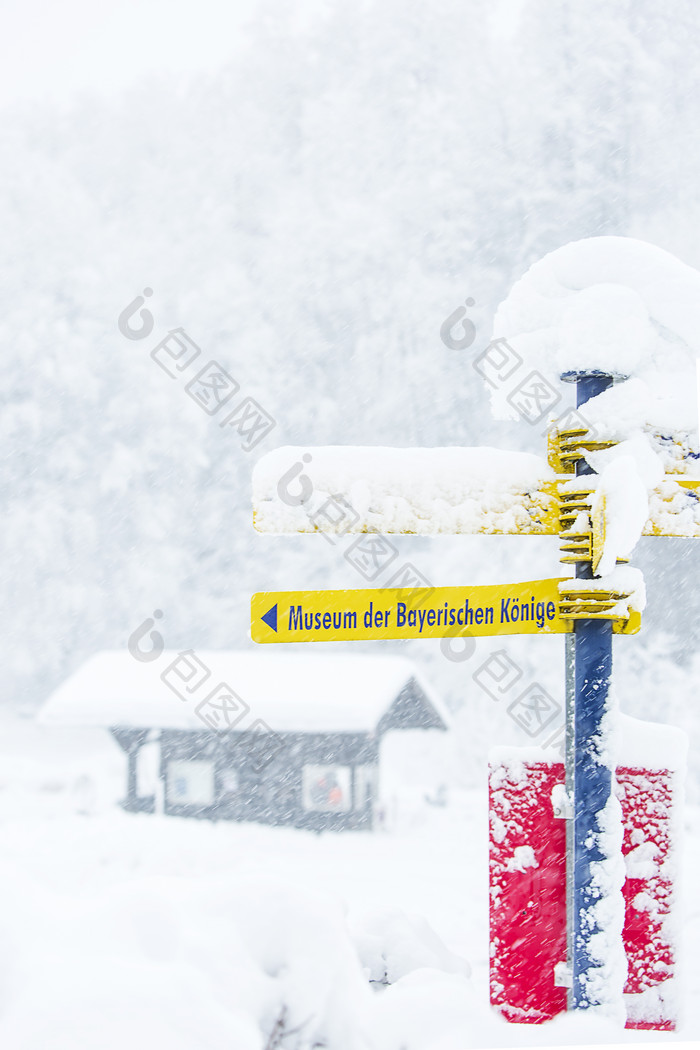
{"x":408,"y":613}
{"x":419,"y":491}
{"x":468,"y":491}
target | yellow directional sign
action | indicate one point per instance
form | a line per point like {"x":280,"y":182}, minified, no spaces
{"x":424,"y":612}
{"x":457,"y":495}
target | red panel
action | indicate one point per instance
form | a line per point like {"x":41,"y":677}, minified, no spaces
{"x":646,"y":798}
{"x":527,"y":904}
{"x":527,"y":892}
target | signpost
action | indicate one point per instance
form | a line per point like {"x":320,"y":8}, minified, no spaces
{"x":588,"y":611}
{"x":588,"y":771}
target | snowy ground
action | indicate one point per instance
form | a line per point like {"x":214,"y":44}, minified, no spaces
{"x":142,"y":931}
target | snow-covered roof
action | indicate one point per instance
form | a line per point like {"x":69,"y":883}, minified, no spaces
{"x":290,"y":692}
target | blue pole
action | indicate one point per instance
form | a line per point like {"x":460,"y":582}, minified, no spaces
{"x":590,"y":777}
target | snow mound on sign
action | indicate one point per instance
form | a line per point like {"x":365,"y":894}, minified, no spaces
{"x":616,"y":305}
{"x":425,"y":491}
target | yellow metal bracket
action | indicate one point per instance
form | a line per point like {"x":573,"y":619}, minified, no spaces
{"x":578,"y":604}
{"x":566,"y":447}
{"x":582,"y":534}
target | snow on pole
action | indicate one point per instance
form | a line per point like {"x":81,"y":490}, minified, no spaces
{"x":594,"y":869}
{"x":569,"y":769}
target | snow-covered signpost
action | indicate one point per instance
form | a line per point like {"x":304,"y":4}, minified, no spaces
{"x":588,"y":775}
{"x":564,"y":913}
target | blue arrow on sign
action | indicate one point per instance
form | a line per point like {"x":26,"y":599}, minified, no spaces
{"x":270,"y":618}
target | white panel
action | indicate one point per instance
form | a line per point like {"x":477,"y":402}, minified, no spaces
{"x":190,"y":782}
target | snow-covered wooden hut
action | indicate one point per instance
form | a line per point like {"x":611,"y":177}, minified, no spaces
{"x":291,"y":739}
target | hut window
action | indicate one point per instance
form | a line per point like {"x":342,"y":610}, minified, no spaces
{"x":190,"y":782}
{"x":327,"y":788}
{"x":229,"y":781}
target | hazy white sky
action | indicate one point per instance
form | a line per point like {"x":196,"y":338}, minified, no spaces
{"x":55,"y":51}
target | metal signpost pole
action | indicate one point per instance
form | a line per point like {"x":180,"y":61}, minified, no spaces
{"x":589,"y":777}
{"x":569,"y":767}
